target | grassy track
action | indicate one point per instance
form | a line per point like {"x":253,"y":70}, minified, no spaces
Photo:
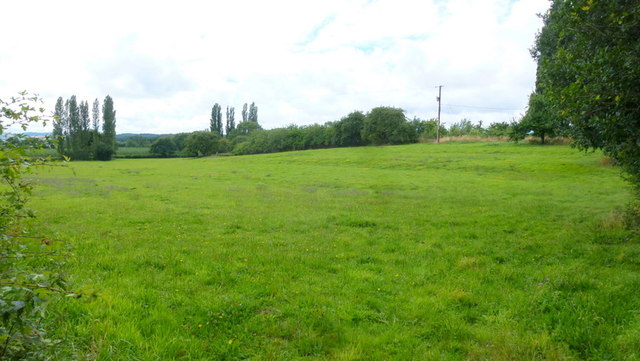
{"x":419,"y":252}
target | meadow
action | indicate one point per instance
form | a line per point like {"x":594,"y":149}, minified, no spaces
{"x":479,"y":251}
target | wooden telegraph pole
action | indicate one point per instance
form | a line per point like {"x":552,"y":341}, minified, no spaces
{"x":439,"y":104}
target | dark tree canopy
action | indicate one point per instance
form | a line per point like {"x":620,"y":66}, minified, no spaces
{"x":202,"y":143}
{"x":387,"y":125}
{"x":163,"y":147}
{"x":588,"y":55}
{"x":348,"y":131}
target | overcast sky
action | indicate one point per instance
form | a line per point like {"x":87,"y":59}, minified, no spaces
{"x":165,"y":63}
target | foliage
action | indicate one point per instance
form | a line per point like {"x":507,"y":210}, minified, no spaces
{"x":180,"y":140}
{"x":202,"y":143}
{"x":135,"y":141}
{"x":412,"y":252}
{"x":500,"y":129}
{"x":466,"y":127}
{"x":348,"y":130}
{"x":108,"y":127}
{"x":216,"y":120}
{"x":587,"y":54}
{"x":387,"y":125}
{"x":540,"y":119}
{"x":427,"y":129}
{"x":231,"y":119}
{"x":244,"y":128}
{"x":26,"y":281}
{"x":164,"y":147}
{"x":245,"y":113}
{"x":253,"y":113}
{"x":95,"y":115}
{"x":75,"y":130}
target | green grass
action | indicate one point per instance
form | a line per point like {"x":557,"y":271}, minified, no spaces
{"x":133,"y":152}
{"x":420,"y":252}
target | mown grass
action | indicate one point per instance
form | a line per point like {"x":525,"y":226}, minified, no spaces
{"x":419,"y":252}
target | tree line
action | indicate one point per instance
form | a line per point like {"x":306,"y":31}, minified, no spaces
{"x":80,"y":134}
{"x":381,"y":125}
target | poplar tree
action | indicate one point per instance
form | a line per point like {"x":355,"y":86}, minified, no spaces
{"x":253,"y":113}
{"x":83,"y":134}
{"x":216,"y":119}
{"x":95,"y":115}
{"x":231,"y":122}
{"x":108,"y":144}
{"x":58,"y":125}
{"x":74,"y":126}
{"x":245,"y":113}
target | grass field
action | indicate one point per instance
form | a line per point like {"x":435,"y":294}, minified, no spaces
{"x":421,"y":252}
{"x":133,"y":152}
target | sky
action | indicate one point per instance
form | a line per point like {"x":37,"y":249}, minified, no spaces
{"x":166,"y":63}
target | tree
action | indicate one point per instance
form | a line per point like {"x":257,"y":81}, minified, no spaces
{"x":463,"y":127}
{"x":253,"y":113}
{"x":179,"y":140}
{"x":83,"y":150}
{"x":245,"y":113}
{"x":74,"y":126}
{"x":348,"y":131}
{"x":587,"y":55}
{"x":202,"y":143}
{"x":95,"y":115}
{"x":243,"y":129}
{"x":500,"y":129}
{"x":387,"y":125}
{"x":216,"y":119}
{"x":108,"y":143}
{"x":58,"y":126}
{"x":231,"y":122}
{"x":540,"y":118}
{"x":163,"y":147}
{"x":428,"y":129}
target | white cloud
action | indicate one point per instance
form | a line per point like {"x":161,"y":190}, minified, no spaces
{"x":166,"y":63}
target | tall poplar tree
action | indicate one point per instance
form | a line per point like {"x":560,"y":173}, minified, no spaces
{"x":95,"y":115}
{"x":245,"y":113}
{"x":83,"y":135}
{"x":253,"y":113}
{"x":75,"y":127}
{"x":108,"y":144}
{"x":231,"y":122}
{"x":216,"y":119}
{"x":58,"y":125}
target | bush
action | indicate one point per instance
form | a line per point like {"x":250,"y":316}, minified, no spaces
{"x":163,"y":147}
{"x":27,"y":280}
{"x":202,"y":143}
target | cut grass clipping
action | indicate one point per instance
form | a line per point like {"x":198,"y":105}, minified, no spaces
{"x":420,"y":252}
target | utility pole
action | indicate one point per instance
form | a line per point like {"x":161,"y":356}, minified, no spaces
{"x":439,"y":104}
